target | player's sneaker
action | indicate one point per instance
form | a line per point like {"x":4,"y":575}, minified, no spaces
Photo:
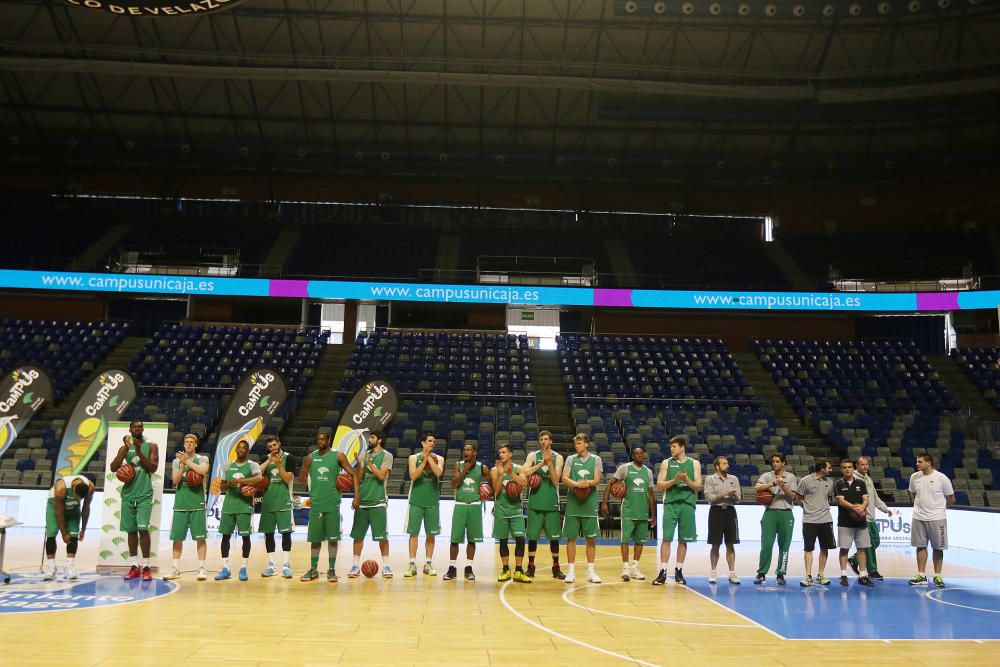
{"x":450,"y":574}
{"x":635,"y":573}
{"x":530,"y":571}
{"x":309,"y":575}
{"x":202,"y":575}
{"x":173,"y":574}
{"x":331,"y":576}
{"x":386,"y":572}
{"x":865,"y":581}
{"x":853,"y":562}
{"x":147,"y":574}
{"x":224,"y":574}
{"x":844,"y":581}
{"x":712,"y":579}
{"x":626,"y":575}
{"x":286,"y":571}
{"x":780,"y":579}
{"x":876,"y":576}
{"x":50,"y":575}
{"x":505,"y":575}
{"x":411,"y":571}
{"x":570,"y":577}
{"x":354,"y":572}
{"x":919,"y":580}
{"x":679,"y":576}
{"x":661,"y":578}
{"x":469,"y":574}
{"x":938,"y":582}
{"x":734,"y":580}
{"x":133,"y":572}
{"x":759,"y":579}
{"x":593,"y":578}
{"x":269,"y":571}
{"x":429,"y":570}
{"x":806,"y":581}
{"x":521,"y":578}
{"x":243,"y":574}
{"x":822,"y":580}
{"x":557,"y":573}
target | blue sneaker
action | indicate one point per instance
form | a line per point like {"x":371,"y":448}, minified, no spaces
{"x":224,"y":574}
{"x":387,"y":572}
{"x":354,"y":572}
{"x":286,"y":572}
{"x":269,"y":571}
{"x":243,"y":574}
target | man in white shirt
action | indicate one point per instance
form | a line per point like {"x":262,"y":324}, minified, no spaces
{"x":932,"y":493}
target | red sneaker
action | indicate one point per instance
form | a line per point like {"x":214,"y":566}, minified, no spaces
{"x":147,"y":574}
{"x":133,"y":572}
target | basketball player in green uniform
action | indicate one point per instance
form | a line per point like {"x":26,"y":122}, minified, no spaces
{"x":467,"y":519}
{"x":507,"y":517}
{"x":276,"y":506}
{"x":137,"y":496}
{"x":370,"y":506}
{"x":582,"y":470}
{"x":63,"y":517}
{"x":189,"y":506}
{"x":638,"y":509}
{"x":543,"y":502}
{"x":425,"y":471}
{"x":320,"y":470}
{"x":237,"y":509}
{"x":680,"y":480}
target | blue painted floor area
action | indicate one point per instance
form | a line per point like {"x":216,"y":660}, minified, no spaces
{"x":29,"y":593}
{"x":966,"y":609}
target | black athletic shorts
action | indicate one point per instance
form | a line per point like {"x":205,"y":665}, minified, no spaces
{"x":821,"y":531}
{"x":723,"y":525}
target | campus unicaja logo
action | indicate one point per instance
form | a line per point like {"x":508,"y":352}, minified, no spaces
{"x":23,"y":378}
{"x":893,"y":525}
{"x":375,"y":393}
{"x":260,"y":382}
{"x":109,"y":382}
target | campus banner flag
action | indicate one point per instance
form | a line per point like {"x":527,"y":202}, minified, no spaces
{"x":371,"y":409}
{"x":106,"y":398}
{"x":23,"y":392}
{"x":256,"y":400}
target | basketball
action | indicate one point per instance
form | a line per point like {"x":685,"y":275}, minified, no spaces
{"x":248,"y":490}
{"x":618,"y":489}
{"x":534,"y":480}
{"x":193,"y":479}
{"x":859,"y":516}
{"x":369,"y":568}
{"x":125,"y":474}
{"x":582,"y":491}
{"x":485,"y":491}
{"x":513,"y":489}
{"x":262,"y":487}
{"x":344,"y":483}
{"x":765,"y":497}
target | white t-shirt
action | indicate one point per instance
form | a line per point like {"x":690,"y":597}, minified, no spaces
{"x":930,"y":495}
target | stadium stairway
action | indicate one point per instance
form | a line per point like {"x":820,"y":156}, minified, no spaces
{"x":621,"y":263}
{"x":968,"y":394}
{"x":774,"y":401}
{"x":279,"y":252}
{"x":796,"y":277}
{"x":299,"y":433}
{"x":550,"y":400}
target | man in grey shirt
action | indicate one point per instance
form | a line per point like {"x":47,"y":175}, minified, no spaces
{"x":722,"y":491}
{"x":815,"y":496}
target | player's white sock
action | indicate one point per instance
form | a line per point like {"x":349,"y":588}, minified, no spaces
{"x":635,"y":563}
{"x":135,"y":560}
{"x":177,"y":563}
{"x":145,"y":562}
{"x":714,"y":573}
{"x":663,"y":566}
{"x":590,"y":568}
{"x":288,"y":556}
{"x":843,"y":573}
{"x":357,"y":561}
{"x":225,"y":562}
{"x":201,"y":564}
{"x":413,"y":561}
{"x":732,"y":573}
{"x":243,"y":562}
{"x":864,"y":573}
{"x":69,"y":561}
{"x":453,"y":563}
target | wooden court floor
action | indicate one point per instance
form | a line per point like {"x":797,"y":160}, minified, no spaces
{"x":427,"y":621}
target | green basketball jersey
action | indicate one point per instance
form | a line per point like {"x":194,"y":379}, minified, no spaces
{"x":579,"y":470}
{"x":546,"y":497}
{"x":141,"y":486}
{"x":680,"y":493}
{"x":373,"y":492}
{"x":187,"y":497}
{"x":278,"y":496}
{"x":236,"y":502}
{"x":323,"y":471}
{"x":71,"y":504}
{"x":638,"y":481}
{"x":425,"y":490}
{"x":506,"y":507}
{"x":468,"y":490}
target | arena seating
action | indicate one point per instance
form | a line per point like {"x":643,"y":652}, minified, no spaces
{"x":982,"y":365}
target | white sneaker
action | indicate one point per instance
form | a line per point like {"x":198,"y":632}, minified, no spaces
{"x":49,"y":575}
{"x":202,"y":575}
{"x":712,"y":579}
{"x":570,"y":577}
{"x":733,"y":579}
{"x":173,"y":574}
{"x":71,"y":574}
{"x":625,"y":573}
{"x":593,"y":578}
{"x":636,"y":574}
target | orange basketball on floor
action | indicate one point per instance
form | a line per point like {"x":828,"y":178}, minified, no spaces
{"x":193,"y":479}
{"x":765,"y":497}
{"x":534,"y":480}
{"x":369,"y":568}
{"x":618,"y":489}
{"x":125,"y":474}
{"x":513,"y":489}
{"x":248,"y":491}
{"x":344,"y":482}
{"x":485,"y":491}
{"x":582,"y":491}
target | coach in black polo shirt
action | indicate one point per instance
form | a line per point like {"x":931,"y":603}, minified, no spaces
{"x":852,"y":520}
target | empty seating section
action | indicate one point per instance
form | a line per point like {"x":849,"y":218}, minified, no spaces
{"x":873,"y":375}
{"x":363,"y":251}
{"x":982,"y":365}
{"x":68,"y":351}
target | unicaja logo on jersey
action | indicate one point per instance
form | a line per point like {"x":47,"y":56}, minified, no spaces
{"x":260,"y":382}
{"x":375,"y":392}
{"x":639,"y":482}
{"x":22,"y":379}
{"x":109,"y":382}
